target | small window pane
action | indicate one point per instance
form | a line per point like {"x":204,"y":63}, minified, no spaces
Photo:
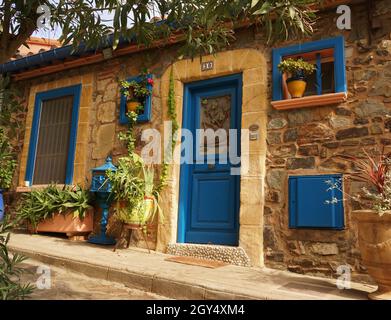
{"x":328,"y":77}
{"x":53,"y":141}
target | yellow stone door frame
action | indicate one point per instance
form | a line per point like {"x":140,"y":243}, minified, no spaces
{"x":253,"y":66}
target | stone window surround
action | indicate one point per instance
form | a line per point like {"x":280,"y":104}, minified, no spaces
{"x":80,"y":163}
{"x":253,"y":66}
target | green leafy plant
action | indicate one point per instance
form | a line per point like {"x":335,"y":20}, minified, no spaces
{"x":134,"y":90}
{"x":133,"y":183}
{"x":296,"y":66}
{"x":200,"y":26}
{"x":11,"y":286}
{"x":175,"y":126}
{"x":7,"y":161}
{"x":374,"y":170}
{"x":137,"y":90}
{"x":38,"y":205}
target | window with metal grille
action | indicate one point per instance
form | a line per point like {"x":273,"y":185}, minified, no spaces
{"x":53,"y":141}
{"x":53,"y":136}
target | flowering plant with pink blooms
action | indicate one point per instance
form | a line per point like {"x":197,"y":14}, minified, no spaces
{"x":137,"y":90}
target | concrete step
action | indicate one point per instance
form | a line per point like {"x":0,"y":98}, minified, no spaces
{"x":152,"y":273}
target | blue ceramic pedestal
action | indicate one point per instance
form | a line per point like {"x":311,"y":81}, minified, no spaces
{"x":1,"y":205}
{"x":102,"y":198}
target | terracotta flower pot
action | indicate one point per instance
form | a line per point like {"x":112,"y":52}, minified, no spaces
{"x":374,"y":235}
{"x":74,"y":228}
{"x":296,"y":86}
{"x":132,"y":105}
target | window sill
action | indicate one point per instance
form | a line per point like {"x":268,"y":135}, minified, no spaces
{"x":310,"y":101}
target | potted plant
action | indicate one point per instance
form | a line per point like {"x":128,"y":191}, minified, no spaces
{"x":374,"y":223}
{"x":296,"y":71}
{"x":136,"y":91}
{"x":7,"y":167}
{"x":54,"y":209}
{"x":133,"y":188}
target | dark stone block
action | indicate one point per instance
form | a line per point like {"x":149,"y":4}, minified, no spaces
{"x":290,"y":135}
{"x":274,"y":137}
{"x":360,"y":121}
{"x":352,"y":133}
{"x":301,"y":163}
{"x":309,"y":150}
{"x":342,"y":112}
{"x":331,"y":145}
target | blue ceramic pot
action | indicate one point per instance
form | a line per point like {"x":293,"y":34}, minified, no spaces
{"x":1,"y":205}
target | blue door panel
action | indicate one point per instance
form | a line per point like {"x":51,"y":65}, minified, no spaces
{"x":210,"y":206}
{"x":209,"y":194}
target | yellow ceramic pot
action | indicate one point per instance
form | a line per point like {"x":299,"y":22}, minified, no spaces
{"x":296,"y":87}
{"x":132,"y":105}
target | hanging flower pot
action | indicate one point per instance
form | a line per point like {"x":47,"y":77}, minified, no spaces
{"x":132,"y":106}
{"x":297,"y":70}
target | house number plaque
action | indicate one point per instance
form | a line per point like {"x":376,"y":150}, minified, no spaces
{"x":207,"y":65}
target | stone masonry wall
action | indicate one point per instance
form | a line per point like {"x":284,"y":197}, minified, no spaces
{"x":305,"y":141}
{"x":301,"y":141}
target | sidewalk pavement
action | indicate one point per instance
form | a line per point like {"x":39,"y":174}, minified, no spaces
{"x":151,"y":273}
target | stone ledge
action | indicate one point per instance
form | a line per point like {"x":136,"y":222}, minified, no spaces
{"x":152,"y":273}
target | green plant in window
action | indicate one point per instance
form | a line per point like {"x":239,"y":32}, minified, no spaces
{"x":296,"y":66}
{"x":297,"y":70}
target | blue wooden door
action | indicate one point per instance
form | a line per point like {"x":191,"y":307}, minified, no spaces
{"x":209,"y":192}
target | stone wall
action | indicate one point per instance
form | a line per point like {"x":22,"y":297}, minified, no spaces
{"x":302,"y":141}
{"x":306,"y":141}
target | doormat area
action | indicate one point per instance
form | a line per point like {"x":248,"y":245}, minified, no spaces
{"x":197,"y":262}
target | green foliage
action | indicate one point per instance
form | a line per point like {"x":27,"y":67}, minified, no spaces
{"x":39,"y":205}
{"x":294,"y":66}
{"x":204,"y":26}
{"x":175,"y":126}
{"x":136,"y":90}
{"x":10,"y":108}
{"x":132,"y":182}
{"x":128,"y":136}
{"x":9,"y":129}
{"x":7,"y":161}
{"x":11,"y":287}
{"x":284,"y":19}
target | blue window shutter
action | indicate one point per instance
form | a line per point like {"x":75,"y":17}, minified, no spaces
{"x":146,"y":115}
{"x":307,"y":202}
